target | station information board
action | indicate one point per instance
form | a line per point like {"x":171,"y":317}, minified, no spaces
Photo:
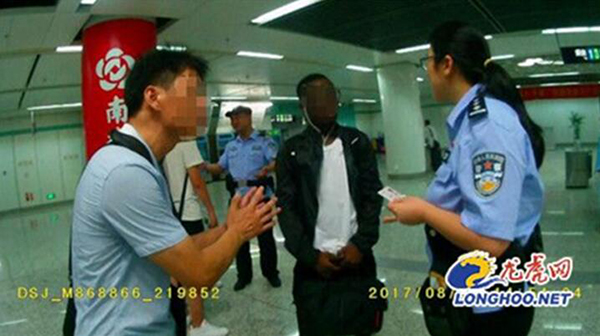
{"x":578,"y":55}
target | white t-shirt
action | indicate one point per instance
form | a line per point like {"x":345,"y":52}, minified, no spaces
{"x":184,"y":156}
{"x":336,"y":221}
{"x":430,"y":136}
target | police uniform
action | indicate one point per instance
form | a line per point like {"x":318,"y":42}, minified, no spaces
{"x":489,"y":178}
{"x":244,"y":159}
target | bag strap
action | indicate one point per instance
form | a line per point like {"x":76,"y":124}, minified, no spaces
{"x":182,"y":199}
{"x":118,"y":139}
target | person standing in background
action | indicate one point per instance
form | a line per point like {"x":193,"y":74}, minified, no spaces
{"x":182,"y":169}
{"x":433,"y":145}
{"x":249,"y":159}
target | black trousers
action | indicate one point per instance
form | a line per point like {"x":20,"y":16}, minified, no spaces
{"x":268,"y":258}
{"x":436,"y":157}
{"x":509,"y":321}
{"x":178,"y":305}
{"x":309,"y":286}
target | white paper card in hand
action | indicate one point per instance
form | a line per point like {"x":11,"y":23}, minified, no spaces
{"x":390,"y":194}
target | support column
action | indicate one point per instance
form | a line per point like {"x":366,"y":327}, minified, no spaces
{"x":110,"y":49}
{"x":402,"y":120}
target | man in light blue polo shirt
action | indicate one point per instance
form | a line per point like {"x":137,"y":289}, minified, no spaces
{"x":249,"y":159}
{"x":126,"y":241}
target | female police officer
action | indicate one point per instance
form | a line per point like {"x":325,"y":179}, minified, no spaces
{"x":488,"y":195}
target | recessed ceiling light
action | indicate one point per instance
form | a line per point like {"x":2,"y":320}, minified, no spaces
{"x":283,"y":98}
{"x":556,"y":74}
{"x":411,"y":49}
{"x":570,"y":30}
{"x":259,"y":55}
{"x":502,"y":57}
{"x":54,"y":107}
{"x":420,"y":79}
{"x":69,"y":49}
{"x":488,"y":37}
{"x":358,"y":68}
{"x":88,"y":2}
{"x":171,"y":47}
{"x":538,"y":61}
{"x":228,"y":98}
{"x":283,"y":10}
{"x":560,"y":84}
{"x":364,"y":101}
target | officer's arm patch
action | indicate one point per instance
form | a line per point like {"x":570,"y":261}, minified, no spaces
{"x":488,"y":173}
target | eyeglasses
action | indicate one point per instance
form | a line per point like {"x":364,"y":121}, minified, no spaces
{"x":423,"y":61}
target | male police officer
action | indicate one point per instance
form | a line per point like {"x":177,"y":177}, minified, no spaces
{"x":249,"y":159}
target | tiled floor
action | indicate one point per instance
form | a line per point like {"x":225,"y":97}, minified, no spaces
{"x":34,"y":245}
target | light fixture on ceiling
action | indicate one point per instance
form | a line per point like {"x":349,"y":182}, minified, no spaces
{"x":179,"y":48}
{"x":358,"y":68}
{"x":488,"y":37}
{"x":502,"y":57}
{"x":88,"y":2}
{"x":364,"y":101}
{"x":518,"y":86}
{"x":259,"y":55}
{"x":283,"y":98}
{"x":538,"y":61}
{"x":411,"y":49}
{"x":283,"y":10}
{"x":570,"y":30}
{"x":560,"y":84}
{"x":556,"y":74}
{"x":69,"y":49}
{"x":420,"y":79}
{"x":54,"y":106}
{"x":225,"y":98}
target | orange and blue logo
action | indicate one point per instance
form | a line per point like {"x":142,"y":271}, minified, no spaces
{"x":475,"y":271}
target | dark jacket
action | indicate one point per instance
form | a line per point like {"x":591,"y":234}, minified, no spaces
{"x":298,"y":168}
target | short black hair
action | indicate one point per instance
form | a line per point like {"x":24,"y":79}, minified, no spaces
{"x":301,"y":87}
{"x":158,"y":67}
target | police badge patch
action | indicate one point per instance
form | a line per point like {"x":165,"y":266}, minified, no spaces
{"x":488,"y":172}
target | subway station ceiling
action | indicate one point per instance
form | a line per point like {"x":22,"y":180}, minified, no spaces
{"x":387,"y":25}
{"x":324,"y":37}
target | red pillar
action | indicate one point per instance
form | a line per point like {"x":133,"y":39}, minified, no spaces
{"x":110,"y":49}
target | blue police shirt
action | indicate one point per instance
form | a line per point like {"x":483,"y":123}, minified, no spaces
{"x":122,"y":215}
{"x":244,"y":159}
{"x":490,"y":177}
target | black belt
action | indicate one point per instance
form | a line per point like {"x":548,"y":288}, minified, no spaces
{"x":232,"y":185}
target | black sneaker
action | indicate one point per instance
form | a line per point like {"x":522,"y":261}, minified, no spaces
{"x":240,"y":284}
{"x":275,"y":281}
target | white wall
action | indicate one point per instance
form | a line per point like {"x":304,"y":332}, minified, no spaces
{"x":43,"y":167}
{"x":370,"y":123}
{"x":42,"y":119}
{"x":552,"y":115}
{"x":555,"y":113}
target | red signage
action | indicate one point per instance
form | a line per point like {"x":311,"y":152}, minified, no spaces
{"x":561,"y":92}
{"x":109,"y":52}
